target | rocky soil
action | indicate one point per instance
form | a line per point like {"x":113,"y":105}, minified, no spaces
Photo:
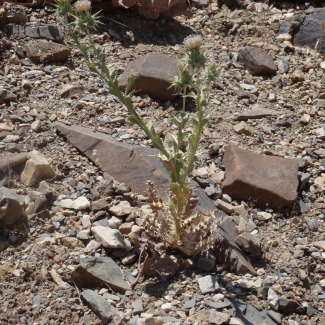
{"x":73,"y":171}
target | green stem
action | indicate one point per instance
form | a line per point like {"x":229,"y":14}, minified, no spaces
{"x":184,"y":98}
{"x":198,"y":135}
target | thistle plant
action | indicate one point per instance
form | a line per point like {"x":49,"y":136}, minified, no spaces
{"x":173,"y":221}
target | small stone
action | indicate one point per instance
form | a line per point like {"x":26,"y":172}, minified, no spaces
{"x":249,"y":243}
{"x":273,"y":299}
{"x":110,"y":238}
{"x":122,"y":209}
{"x":208,"y":284}
{"x":36,"y":170}
{"x":305,"y":119}
{"x":263,"y":216}
{"x":137,"y":307}
{"x":108,"y":314}
{"x":190,"y":303}
{"x":81,"y":203}
{"x":226,"y":207}
{"x":36,"y":126}
{"x":72,"y":242}
{"x":244,"y":128}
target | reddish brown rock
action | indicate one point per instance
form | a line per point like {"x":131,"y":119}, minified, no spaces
{"x":45,"y":51}
{"x":266,"y":180}
{"x":153,"y":76}
{"x":257,"y":61}
{"x":133,"y":165}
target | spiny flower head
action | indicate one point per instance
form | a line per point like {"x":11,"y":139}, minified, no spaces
{"x":82,"y":6}
{"x":193,"y":42}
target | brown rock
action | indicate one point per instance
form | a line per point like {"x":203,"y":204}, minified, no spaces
{"x":255,"y":114}
{"x":153,"y":76}
{"x":45,"y":51}
{"x":133,"y":165}
{"x":244,"y":128}
{"x":36,"y":170}
{"x":11,"y":206}
{"x":267,"y":180}
{"x":257,"y":61}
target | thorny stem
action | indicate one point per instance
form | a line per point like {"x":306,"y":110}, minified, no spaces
{"x":198,"y":136}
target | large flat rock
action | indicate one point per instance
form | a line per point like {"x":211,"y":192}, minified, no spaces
{"x":99,"y":271}
{"x":266,"y":180}
{"x":133,"y":165}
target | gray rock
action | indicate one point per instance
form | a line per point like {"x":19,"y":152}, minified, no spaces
{"x":228,"y":252}
{"x":250,"y":315}
{"x":249,"y":243}
{"x":108,"y":314}
{"x":137,"y":307}
{"x":283,"y":65}
{"x":219,"y":304}
{"x":190,"y":303}
{"x":310,"y":31}
{"x":98,"y":271}
{"x":208,"y":284}
{"x":207,"y":261}
{"x":11,"y":206}
{"x":50,"y":33}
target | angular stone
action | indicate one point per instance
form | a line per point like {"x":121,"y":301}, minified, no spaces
{"x":257,"y":61}
{"x":51,"y":33}
{"x":228,"y":252}
{"x":57,"y":279}
{"x":133,"y":165}
{"x":122,"y":209}
{"x":70,"y":90}
{"x":36,"y":170}
{"x":40,"y":51}
{"x":81,"y":203}
{"x":100,"y":271}
{"x":249,"y":243}
{"x":255,"y":114}
{"x":11,"y":206}
{"x":110,"y":238}
{"x":244,"y":128}
{"x":108,"y":314}
{"x":6,"y":95}
{"x":250,"y":315}
{"x":72,"y":242}
{"x":208,"y":284}
{"x":267,"y":180}
{"x":311,"y":31}
{"x":153,"y":76}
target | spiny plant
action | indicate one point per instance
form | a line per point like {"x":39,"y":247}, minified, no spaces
{"x":173,"y":221}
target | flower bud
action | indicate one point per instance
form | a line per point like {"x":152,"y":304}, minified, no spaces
{"x":193,"y":42}
{"x":82,"y":6}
